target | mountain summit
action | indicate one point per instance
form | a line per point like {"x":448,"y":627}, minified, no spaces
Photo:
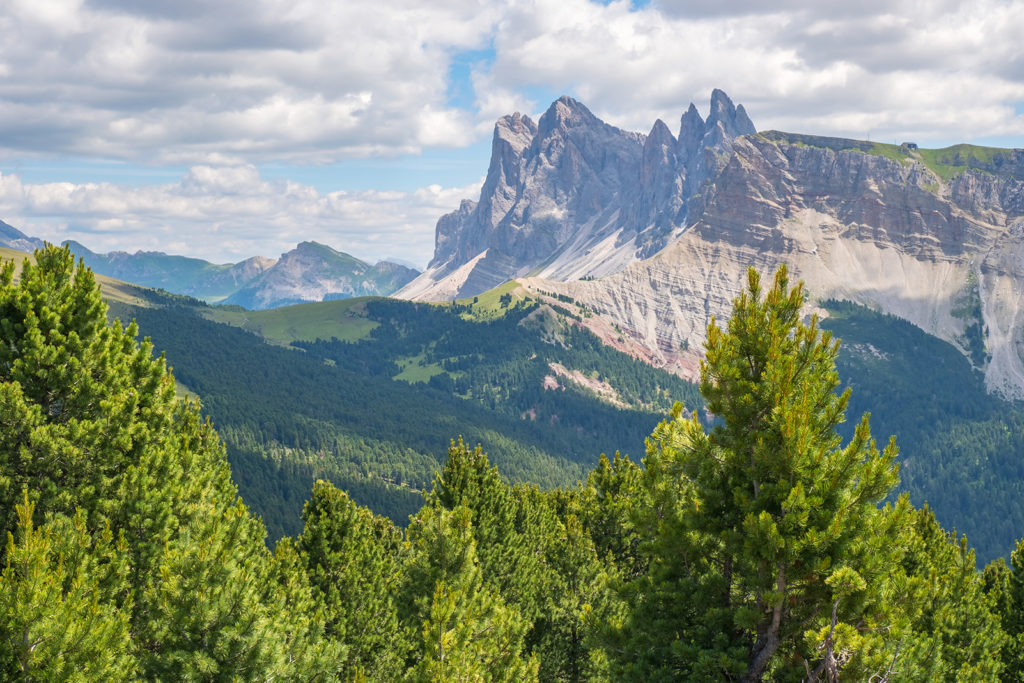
{"x":654,"y":232}
{"x":572,"y":196}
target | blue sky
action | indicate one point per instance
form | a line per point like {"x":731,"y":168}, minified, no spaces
{"x":229,"y":128}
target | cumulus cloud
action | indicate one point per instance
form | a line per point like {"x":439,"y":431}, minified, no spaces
{"x":311,"y":81}
{"x":315,"y":81}
{"x":224,"y":87}
{"x":225,"y":214}
{"x":943,"y":71}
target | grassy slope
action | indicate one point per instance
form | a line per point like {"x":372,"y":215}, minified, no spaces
{"x":113,"y":290}
{"x":946,"y":162}
{"x":959,"y":452}
{"x":344,"y":319}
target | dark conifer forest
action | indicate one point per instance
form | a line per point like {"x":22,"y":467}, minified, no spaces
{"x":768,"y":543}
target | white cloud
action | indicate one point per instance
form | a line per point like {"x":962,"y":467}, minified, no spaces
{"x":230,"y":213}
{"x":260,"y":79}
{"x":938,"y":71}
{"x":317,"y":81}
{"x":222,"y":87}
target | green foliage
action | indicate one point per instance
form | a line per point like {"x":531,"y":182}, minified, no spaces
{"x":967,"y":307}
{"x":751,"y":550}
{"x":466,"y":631}
{"x":959,"y":450}
{"x":534,"y":552}
{"x":354,"y":563}
{"x":334,"y":412}
{"x":341,"y":318}
{"x":84,"y":399}
{"x":92,"y":431}
{"x":750,"y":521}
{"x":954,"y":624}
{"x":54,"y":623}
{"x":947,"y":163}
{"x":1005,"y":587}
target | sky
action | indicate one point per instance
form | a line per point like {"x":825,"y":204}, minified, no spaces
{"x":225,"y":129}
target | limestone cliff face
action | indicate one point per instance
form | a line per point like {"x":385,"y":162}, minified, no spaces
{"x":887,"y":233}
{"x":572,"y":196}
{"x":655,"y":232}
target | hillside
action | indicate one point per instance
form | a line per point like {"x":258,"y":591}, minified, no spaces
{"x":368,"y":392}
{"x":754,"y":547}
{"x":375,"y":414}
{"x":380,"y":386}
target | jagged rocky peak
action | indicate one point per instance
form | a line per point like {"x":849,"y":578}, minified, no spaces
{"x":565,"y":112}
{"x":450,"y":233}
{"x":660,"y":136}
{"x":733,"y":119}
{"x":572,"y":195}
{"x":660,"y":159}
{"x":691,"y":129}
{"x":513,"y":135}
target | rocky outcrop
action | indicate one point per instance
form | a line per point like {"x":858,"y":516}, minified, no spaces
{"x":12,"y":238}
{"x":655,"y":232}
{"x":885,"y":232}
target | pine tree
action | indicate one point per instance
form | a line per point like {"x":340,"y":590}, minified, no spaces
{"x":510,"y":527}
{"x":90,"y":429}
{"x":353,"y":559}
{"x":80,"y":400}
{"x":759,"y":528}
{"x":954,"y":632}
{"x":54,"y":623}
{"x":466,"y":631}
{"x":1005,"y":588}
{"x":579,"y":600}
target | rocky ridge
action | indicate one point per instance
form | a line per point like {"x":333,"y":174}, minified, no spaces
{"x":572,"y":196}
{"x":659,"y":244}
{"x":12,"y":238}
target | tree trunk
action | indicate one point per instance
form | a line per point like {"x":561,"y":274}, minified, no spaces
{"x":768,"y":642}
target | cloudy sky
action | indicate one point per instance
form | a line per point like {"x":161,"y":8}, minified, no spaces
{"x":229,"y":128}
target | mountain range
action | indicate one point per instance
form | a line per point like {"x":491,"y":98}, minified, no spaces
{"x":310,"y":272}
{"x":653,"y":233}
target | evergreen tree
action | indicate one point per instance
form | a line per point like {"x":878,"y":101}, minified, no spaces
{"x":609,"y":500}
{"x":580,"y":599}
{"x":91,"y":429}
{"x":954,"y":629}
{"x":763,"y":526}
{"x":1005,"y":587}
{"x":466,"y":631}
{"x":54,"y":623}
{"x":510,"y":528}
{"x":353,"y":559}
{"x":81,"y":400}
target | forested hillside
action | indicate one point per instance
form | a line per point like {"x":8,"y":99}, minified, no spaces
{"x":756,"y":549}
{"x":961,"y":449}
{"x":336,"y":410}
{"x":374,"y":412}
